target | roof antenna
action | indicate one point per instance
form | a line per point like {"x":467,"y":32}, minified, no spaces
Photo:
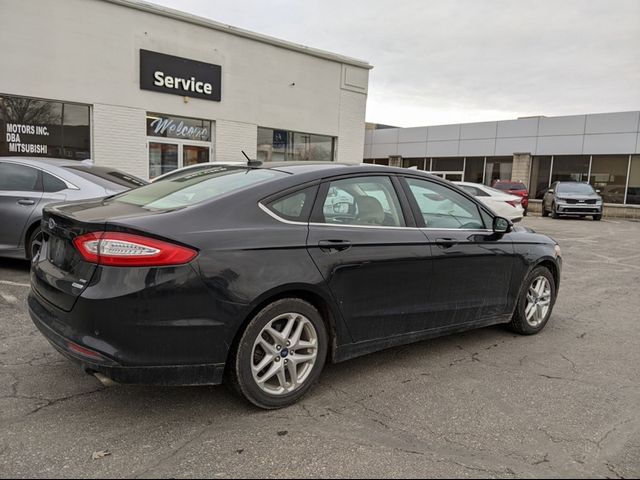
{"x":251,"y":163}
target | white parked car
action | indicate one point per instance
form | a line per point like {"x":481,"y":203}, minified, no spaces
{"x":503,"y":204}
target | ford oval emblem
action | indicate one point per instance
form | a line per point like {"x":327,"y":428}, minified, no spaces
{"x":52,"y":224}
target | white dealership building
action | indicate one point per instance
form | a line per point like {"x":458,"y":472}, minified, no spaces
{"x":148,"y":89}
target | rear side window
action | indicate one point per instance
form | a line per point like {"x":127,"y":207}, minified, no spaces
{"x":107,"y":177}
{"x":295,"y":207}
{"x":194,"y":188}
{"x":52,"y":184}
{"x":442,"y":207}
{"x":19,"y":178}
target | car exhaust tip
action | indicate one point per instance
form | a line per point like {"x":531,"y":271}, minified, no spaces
{"x":106,"y":381}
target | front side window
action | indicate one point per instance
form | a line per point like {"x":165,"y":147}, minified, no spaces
{"x":18,"y":178}
{"x":442,"y":207}
{"x":367,"y":201}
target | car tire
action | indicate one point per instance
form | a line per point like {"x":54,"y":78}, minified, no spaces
{"x":531,"y":316}
{"x":597,"y":218}
{"x":34,"y":243}
{"x":545,"y":212}
{"x":258,"y":347}
{"x":554,"y":213}
{"x":524,"y":212}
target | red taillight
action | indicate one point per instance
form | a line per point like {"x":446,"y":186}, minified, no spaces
{"x":127,"y":250}
{"x":85,"y":352}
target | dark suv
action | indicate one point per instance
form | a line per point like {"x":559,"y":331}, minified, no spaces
{"x":576,"y":199}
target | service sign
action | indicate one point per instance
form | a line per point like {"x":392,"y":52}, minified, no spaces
{"x":180,"y":76}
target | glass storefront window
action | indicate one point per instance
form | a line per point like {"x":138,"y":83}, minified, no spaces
{"x":498,"y":168}
{"x":633,"y":192}
{"x":43,"y":128}
{"x":181,"y":128}
{"x":451,"y":164}
{"x":540,"y":172}
{"x":568,"y":168}
{"x":420,"y":163}
{"x":283,"y":145}
{"x":609,"y":175}
{"x":474,"y":169}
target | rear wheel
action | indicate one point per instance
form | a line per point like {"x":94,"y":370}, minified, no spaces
{"x":536,"y":302}
{"x":524,"y":213}
{"x":280,"y":354}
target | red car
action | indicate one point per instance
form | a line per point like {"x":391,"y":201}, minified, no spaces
{"x":514,"y":188}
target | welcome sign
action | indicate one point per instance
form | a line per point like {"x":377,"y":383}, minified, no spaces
{"x":180,"y":76}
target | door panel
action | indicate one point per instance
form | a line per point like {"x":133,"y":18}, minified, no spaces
{"x":472,"y":275}
{"x":379,"y":277}
{"x":377,"y":269}
{"x":471,"y":265}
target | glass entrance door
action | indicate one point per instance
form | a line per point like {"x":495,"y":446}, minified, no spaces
{"x":192,"y":155}
{"x":165,"y":157}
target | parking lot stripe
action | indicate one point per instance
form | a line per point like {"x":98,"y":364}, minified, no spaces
{"x":14,"y":284}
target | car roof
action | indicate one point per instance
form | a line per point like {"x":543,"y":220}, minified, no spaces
{"x":43,"y":161}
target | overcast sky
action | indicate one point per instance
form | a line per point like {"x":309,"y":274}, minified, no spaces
{"x":451,"y":61}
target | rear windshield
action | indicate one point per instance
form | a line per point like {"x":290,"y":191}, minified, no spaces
{"x":107,"y":177}
{"x":196,"y":187}
{"x":510,"y":186}
{"x":579,"y":188}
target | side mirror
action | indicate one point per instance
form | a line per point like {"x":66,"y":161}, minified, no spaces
{"x":550,"y":190}
{"x":501,"y":225}
{"x":598,"y":192}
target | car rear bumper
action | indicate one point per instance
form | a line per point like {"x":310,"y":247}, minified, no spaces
{"x":92,"y":360}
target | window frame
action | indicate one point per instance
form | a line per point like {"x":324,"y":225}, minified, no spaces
{"x":483,"y":212}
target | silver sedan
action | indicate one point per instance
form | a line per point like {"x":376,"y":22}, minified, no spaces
{"x":28,"y":184}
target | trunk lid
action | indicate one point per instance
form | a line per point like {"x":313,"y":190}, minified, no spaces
{"x":59,"y":273}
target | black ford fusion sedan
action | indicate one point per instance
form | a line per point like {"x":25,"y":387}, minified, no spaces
{"x":259,"y":275}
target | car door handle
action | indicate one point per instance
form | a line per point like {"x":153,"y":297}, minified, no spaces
{"x":26,"y":202}
{"x":446,"y":242}
{"x":334,"y":245}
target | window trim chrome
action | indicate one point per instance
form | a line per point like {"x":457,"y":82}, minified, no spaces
{"x":384,"y":227}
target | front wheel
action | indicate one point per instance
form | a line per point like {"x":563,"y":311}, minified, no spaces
{"x":554,"y":212}
{"x":280,"y":354}
{"x":597,"y":218}
{"x":536,"y":302}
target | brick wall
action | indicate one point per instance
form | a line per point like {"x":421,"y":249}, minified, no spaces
{"x":521,"y":167}
{"x":119,"y":139}
{"x":231,"y":138}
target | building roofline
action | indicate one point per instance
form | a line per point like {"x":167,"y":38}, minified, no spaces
{"x":221,"y":27}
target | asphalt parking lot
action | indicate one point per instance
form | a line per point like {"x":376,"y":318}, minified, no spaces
{"x":482,"y":404}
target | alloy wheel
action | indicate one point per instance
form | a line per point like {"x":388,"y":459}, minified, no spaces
{"x":538,"y":301}
{"x":284,"y":354}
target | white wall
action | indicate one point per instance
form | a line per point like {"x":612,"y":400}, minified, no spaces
{"x":87,"y":51}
